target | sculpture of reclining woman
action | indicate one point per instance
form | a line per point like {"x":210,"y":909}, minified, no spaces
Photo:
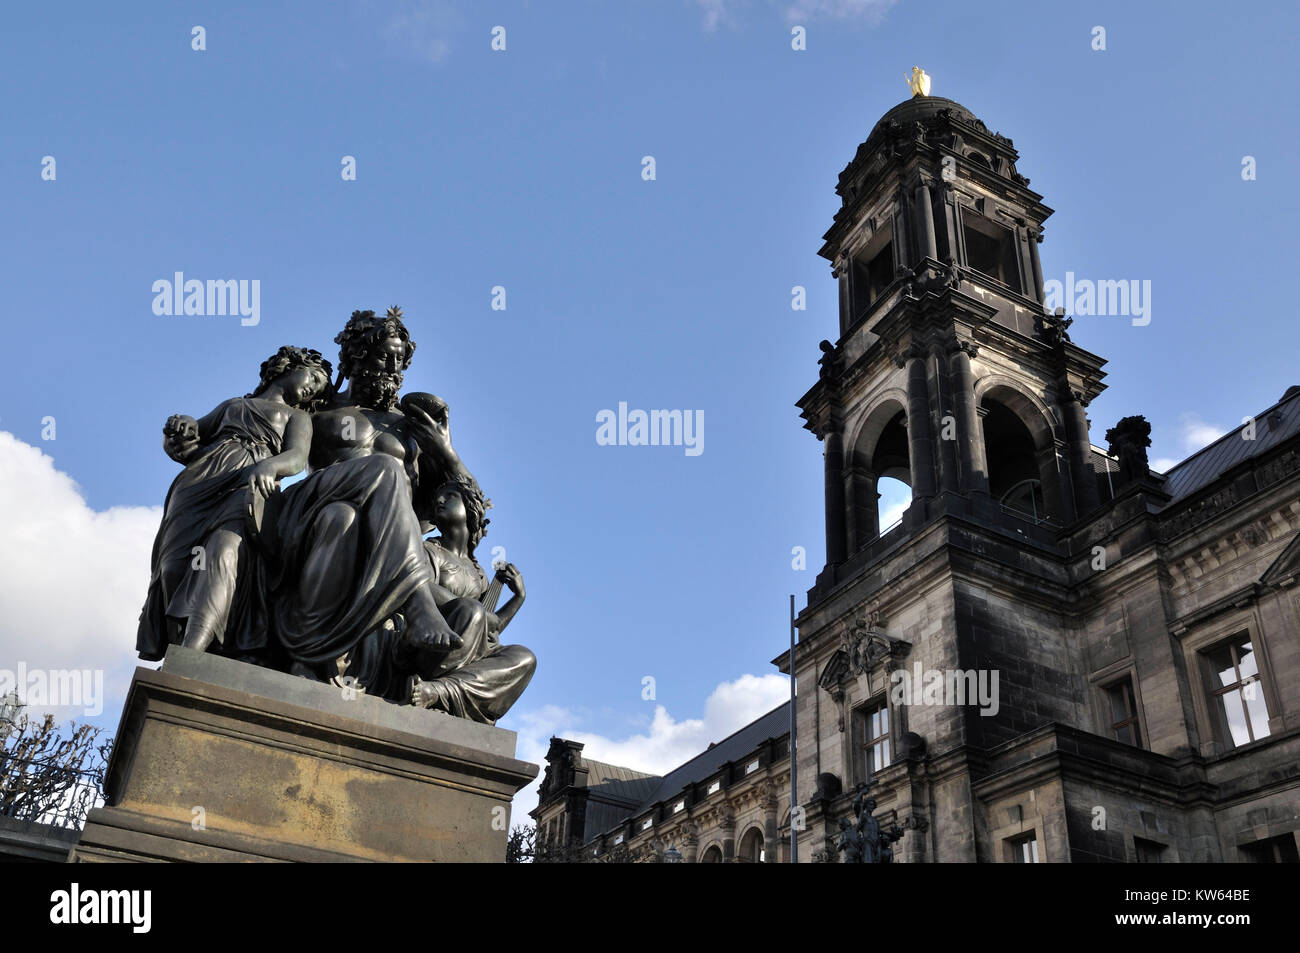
{"x":207,"y":585}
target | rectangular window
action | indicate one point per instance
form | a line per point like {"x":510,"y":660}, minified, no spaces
{"x":1148,"y":851}
{"x":679,"y":806}
{"x":1023,"y":850}
{"x":873,"y":271}
{"x":990,"y":248}
{"x":751,"y":767}
{"x":1237,"y":695}
{"x":647,"y":823}
{"x":714,"y":788}
{"x":1274,"y":850}
{"x":871,"y":739}
{"x":1122,"y":711}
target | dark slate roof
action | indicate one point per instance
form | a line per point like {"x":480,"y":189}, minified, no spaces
{"x":732,"y":748}
{"x":1205,"y":466}
{"x":735,"y":746}
{"x":614,"y":792}
{"x":598,"y":772}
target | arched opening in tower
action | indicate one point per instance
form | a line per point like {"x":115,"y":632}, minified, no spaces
{"x":1022,"y":470}
{"x":880,"y":476}
{"x":895,"y":498}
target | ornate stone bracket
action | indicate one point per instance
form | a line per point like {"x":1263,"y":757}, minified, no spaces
{"x":930,"y":277}
{"x":862,"y":648}
{"x":956,"y":344}
{"x":1052,"y":327}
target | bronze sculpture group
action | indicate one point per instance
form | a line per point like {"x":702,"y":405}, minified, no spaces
{"x":331,"y":578}
{"x":861,"y":839}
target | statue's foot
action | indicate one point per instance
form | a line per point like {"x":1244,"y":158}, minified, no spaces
{"x":425,"y":632}
{"x":199,"y":638}
{"x":423,"y":694}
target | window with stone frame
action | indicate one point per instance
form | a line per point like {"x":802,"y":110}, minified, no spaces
{"x":873,"y":271}
{"x":990,"y":248}
{"x":1273,"y":850}
{"x":1023,"y":849}
{"x":871,"y":739}
{"x":1121,"y":712}
{"x":1236,"y":690}
{"x":1149,"y":851}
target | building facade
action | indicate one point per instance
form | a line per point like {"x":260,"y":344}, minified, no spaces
{"x":728,"y":804}
{"x":1058,"y":654}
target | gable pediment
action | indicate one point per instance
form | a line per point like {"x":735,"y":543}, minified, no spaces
{"x":1285,"y":568}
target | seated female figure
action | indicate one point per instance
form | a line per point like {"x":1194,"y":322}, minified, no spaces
{"x":207,"y":586}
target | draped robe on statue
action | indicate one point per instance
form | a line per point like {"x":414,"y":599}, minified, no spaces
{"x":480,"y":680}
{"x":211,"y":493}
{"x":383,"y":554}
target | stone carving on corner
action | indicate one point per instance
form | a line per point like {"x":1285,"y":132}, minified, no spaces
{"x":930,"y":277}
{"x":866,"y":645}
{"x":1052,"y":327}
{"x":829,"y":363}
{"x":863,"y":647}
{"x":1128,"y":441}
{"x":956,"y":344}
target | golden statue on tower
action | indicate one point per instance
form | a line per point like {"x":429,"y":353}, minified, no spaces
{"x":918,"y":82}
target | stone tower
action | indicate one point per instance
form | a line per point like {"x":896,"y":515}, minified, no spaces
{"x":947,"y":374}
{"x":999,"y":666}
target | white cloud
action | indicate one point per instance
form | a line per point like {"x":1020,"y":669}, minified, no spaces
{"x":727,"y":12}
{"x":1196,"y":433}
{"x":667,"y":742}
{"x":716,"y":13}
{"x":422,"y":28}
{"x":869,"y":11}
{"x":72,"y":579}
{"x":893,"y":513}
{"x":1192,"y":434}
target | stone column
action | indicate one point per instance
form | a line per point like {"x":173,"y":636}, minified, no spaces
{"x":728,"y":826}
{"x":835,"y":532}
{"x":1080,"y":449}
{"x":1036,"y":236}
{"x":771,"y":835}
{"x":974,"y":466}
{"x":920,"y":443}
{"x":691,"y":844}
{"x":948,"y":209}
{"x":946,"y":439}
{"x":841,"y":273}
{"x":923,"y":216}
{"x":900,"y":227}
{"x":863,"y":504}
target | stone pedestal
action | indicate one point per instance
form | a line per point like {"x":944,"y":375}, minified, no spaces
{"x":218,"y":760}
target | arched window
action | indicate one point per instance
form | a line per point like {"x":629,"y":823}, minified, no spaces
{"x":1020,"y":457}
{"x":895,"y":498}
{"x":712,"y":856}
{"x":751,"y":847}
{"x":1026,"y":497}
{"x":879,"y":475}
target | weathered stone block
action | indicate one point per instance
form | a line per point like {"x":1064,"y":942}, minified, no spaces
{"x":219,"y":760}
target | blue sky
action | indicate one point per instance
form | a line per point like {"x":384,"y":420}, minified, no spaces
{"x":523,"y":169}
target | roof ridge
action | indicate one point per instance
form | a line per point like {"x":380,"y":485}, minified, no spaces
{"x":653,"y":798}
{"x":1218,"y":440}
{"x":716,"y":744}
{"x":621,"y":767}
